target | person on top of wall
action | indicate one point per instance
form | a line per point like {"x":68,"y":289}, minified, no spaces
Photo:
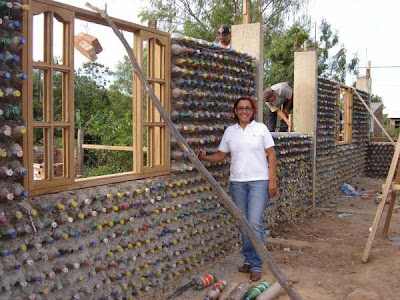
{"x":224,"y":36}
{"x":252,"y":174}
{"x":279,"y":99}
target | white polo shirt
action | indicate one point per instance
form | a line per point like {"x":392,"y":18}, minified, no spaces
{"x":247,"y":147}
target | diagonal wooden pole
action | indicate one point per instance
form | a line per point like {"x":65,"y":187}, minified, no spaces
{"x":372,"y":114}
{"x":226,"y":200}
{"x":381,"y":205}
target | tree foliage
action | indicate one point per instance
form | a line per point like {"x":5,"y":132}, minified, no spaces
{"x":334,"y":66}
{"x":201,"y":18}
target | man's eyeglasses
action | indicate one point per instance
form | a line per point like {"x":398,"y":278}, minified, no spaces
{"x":241,"y":108}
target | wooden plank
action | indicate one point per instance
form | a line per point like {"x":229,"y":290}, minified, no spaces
{"x":393,"y":186}
{"x":392,"y":201}
{"x":106,"y":147}
{"x":372,"y":115}
{"x":89,"y":16}
{"x":93,"y":181}
{"x":381,"y":205}
{"x":381,"y":139}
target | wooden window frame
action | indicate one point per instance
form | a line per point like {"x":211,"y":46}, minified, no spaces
{"x":347,"y":115}
{"x":158,"y":146}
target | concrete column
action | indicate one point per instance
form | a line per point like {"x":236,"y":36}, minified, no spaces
{"x":250,"y":39}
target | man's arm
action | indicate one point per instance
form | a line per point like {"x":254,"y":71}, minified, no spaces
{"x":284,"y":117}
{"x":286,"y":109}
{"x":272,"y":185}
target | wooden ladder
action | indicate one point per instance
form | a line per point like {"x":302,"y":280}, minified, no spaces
{"x":386,"y":187}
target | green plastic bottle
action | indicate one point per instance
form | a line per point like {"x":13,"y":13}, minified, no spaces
{"x":255,"y":291}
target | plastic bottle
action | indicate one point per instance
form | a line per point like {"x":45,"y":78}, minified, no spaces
{"x":9,"y":24}
{"x":257,"y":290}
{"x":17,"y":9}
{"x":240,"y":291}
{"x":203,"y":282}
{"x":16,"y":43}
{"x":18,"y":131}
{"x":216,"y":290}
{"x":5,"y":172}
{"x":5,"y":130}
{"x":274,"y":291}
{"x":231,"y":286}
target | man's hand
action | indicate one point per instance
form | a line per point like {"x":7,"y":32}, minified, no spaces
{"x":288,"y":122}
{"x":272,"y":188}
{"x":286,"y":111}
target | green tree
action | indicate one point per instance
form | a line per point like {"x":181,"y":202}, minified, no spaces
{"x":279,"y":56}
{"x":376,"y":98}
{"x":333,"y":66}
{"x":201,"y":18}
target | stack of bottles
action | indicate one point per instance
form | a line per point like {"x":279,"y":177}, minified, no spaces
{"x":294,"y":173}
{"x":12,"y":125}
{"x":380,"y":155}
{"x":124,"y":241}
{"x":338,"y":163}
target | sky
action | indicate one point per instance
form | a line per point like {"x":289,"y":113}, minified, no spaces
{"x":365,"y":27}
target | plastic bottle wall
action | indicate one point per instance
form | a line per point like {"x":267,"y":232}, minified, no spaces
{"x":133,"y":239}
{"x":337,"y":164}
{"x":12,"y":125}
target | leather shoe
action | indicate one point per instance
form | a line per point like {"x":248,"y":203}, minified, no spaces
{"x":255,"y":275}
{"x":244,"y":269}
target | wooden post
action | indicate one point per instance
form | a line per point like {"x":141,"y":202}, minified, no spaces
{"x":225,"y":199}
{"x":80,"y":153}
{"x":246,"y":11}
{"x":392,"y":202}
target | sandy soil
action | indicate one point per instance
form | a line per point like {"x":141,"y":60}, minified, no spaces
{"x":324,"y":261}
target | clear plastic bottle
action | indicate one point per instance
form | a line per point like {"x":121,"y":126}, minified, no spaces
{"x":274,"y":291}
{"x":216,"y":290}
{"x":240,"y":291}
{"x":231,"y":286}
{"x":204,"y":281}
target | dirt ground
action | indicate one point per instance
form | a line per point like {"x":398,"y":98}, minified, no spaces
{"x":324,"y":261}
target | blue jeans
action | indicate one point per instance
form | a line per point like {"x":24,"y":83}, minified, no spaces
{"x":251,"y":197}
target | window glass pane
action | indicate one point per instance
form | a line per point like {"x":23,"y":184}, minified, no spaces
{"x":147,"y":112}
{"x":99,"y":162}
{"x":103,"y":103}
{"x":159,"y":61}
{"x":158,"y":146}
{"x":58,"y":39}
{"x":159,"y":91}
{"x":146,"y":147}
{"x":39,"y":155}
{"x":58,"y":96}
{"x":38,"y":37}
{"x":58,"y":152}
{"x":38,"y":95}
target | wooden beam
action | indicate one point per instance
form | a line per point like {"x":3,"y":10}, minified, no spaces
{"x":372,"y":114}
{"x":381,"y":205}
{"x":106,"y":147}
{"x":393,"y":186}
{"x":225,"y":199}
{"x":246,"y":11}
